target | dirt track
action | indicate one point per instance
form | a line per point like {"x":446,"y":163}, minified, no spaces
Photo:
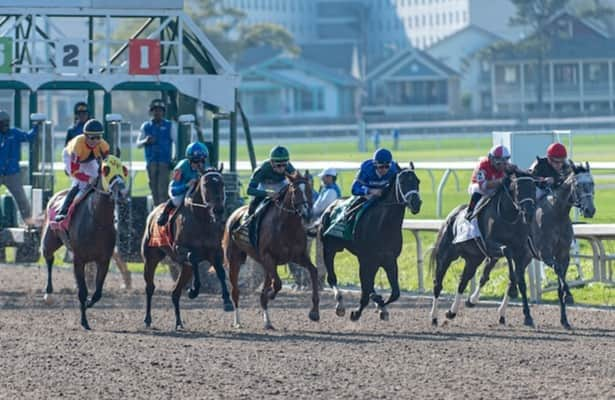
{"x":44,"y":353}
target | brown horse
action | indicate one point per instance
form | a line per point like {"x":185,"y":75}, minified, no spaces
{"x":197,"y":230}
{"x":91,"y":234}
{"x":282,"y":239}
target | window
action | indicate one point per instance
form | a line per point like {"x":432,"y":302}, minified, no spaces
{"x":510,"y":75}
{"x":309,"y":100}
{"x":409,"y":22}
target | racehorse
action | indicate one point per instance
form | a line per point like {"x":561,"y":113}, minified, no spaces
{"x":91,"y":234}
{"x":504,"y":223}
{"x":282,"y":238}
{"x":196,"y":229}
{"x":551,"y":236}
{"x":377,"y":241}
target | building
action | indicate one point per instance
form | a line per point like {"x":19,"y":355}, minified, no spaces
{"x":285,"y":87}
{"x":462,"y":51}
{"x":577,"y":75}
{"x":412,"y":83}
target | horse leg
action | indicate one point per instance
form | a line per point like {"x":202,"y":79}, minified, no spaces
{"x":79,"y":270}
{"x":367,"y":274}
{"x":50,"y":244}
{"x":268,"y":266}
{"x":276,"y":284}
{"x":469,"y":269}
{"x":443,"y":262}
{"x":560,"y":270}
{"x":221,"y":274}
{"x":520,"y":266}
{"x":152,"y":256}
{"x":121,"y":265}
{"x":474,"y":298}
{"x":305,"y":262}
{"x":329,"y":260}
{"x":194,"y":260}
{"x":184,"y":276}
{"x":235,"y":257}
{"x":102,"y":267}
{"x":512,"y":285}
{"x":391,"y":268}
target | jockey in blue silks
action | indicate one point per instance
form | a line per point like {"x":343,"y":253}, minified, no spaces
{"x":374,"y":175}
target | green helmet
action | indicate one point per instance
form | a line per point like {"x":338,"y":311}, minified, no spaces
{"x":279,"y":153}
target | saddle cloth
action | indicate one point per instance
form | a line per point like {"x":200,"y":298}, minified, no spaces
{"x":465,"y":230}
{"x":161,"y":236}
{"x":249,"y":226}
{"x":342,"y":224}
{"x":65,"y":223}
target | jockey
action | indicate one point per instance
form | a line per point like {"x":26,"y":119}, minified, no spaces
{"x":550,"y":170}
{"x":488,"y":176}
{"x":374,"y":175}
{"x":268,"y":179}
{"x":81,"y":160}
{"x":328,"y":193}
{"x":185,"y":176}
{"x":82,"y":115}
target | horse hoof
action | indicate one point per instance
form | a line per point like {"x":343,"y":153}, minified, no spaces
{"x":314,"y":316}
{"x":434,"y":322}
{"x":354,"y":316}
{"x":513,"y":293}
{"x":47,"y":299}
{"x":450,"y":315}
{"x":340,"y":311}
{"x":179,"y":327}
{"x":502,"y":321}
{"x":192,"y":294}
{"x":469,"y":304}
{"x":269,"y":327}
{"x":528,"y":322}
{"x":228,"y":307}
{"x":566,"y":325}
{"x":236,"y":326}
{"x":85,"y":325}
{"x":384,"y":315}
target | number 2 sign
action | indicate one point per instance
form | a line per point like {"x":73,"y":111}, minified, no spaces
{"x":144,"y":57}
{"x":71,"y":55}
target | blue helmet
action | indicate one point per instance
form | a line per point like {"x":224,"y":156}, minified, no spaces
{"x":93,"y":127}
{"x":196,"y":152}
{"x":383,"y":156}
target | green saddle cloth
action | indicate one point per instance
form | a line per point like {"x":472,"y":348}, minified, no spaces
{"x":342,"y":224}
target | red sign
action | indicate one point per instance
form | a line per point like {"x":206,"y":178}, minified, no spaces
{"x":144,"y":57}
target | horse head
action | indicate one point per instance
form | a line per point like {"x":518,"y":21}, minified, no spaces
{"x":523,"y":188}
{"x":582,"y":185}
{"x":113,"y":178}
{"x":299,"y":195}
{"x":211,"y":185}
{"x":406,"y":186}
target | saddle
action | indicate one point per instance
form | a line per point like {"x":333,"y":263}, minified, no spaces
{"x":345,"y":217}
{"x":482,"y":203}
{"x":65,"y":223}
{"x":249,"y":226}
{"x":162,"y":236}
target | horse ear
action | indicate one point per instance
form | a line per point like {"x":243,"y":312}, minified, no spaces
{"x":221,"y":168}
{"x":411,"y":164}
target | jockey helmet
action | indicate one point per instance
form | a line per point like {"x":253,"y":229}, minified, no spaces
{"x":499,"y":153}
{"x":279,"y":153}
{"x":93,"y":128}
{"x":157,"y":103}
{"x":81,"y":107}
{"x":197,"y":152}
{"x":4,"y":116}
{"x":557,"y":151}
{"x":383,"y":156}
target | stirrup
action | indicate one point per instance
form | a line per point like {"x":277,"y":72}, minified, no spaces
{"x":162,"y":220}
{"x":60,"y":218}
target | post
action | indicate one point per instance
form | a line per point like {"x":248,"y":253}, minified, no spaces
{"x":34,"y":147}
{"x":233,"y":137}
{"x":107,"y":110}
{"x":114,"y":126}
{"x":17,"y":108}
{"x":184,"y":133}
{"x":215,"y":157}
{"x":362,"y":134}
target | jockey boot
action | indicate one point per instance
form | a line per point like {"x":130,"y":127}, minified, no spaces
{"x":70,"y":196}
{"x":163,"y":218}
{"x":473,"y":201}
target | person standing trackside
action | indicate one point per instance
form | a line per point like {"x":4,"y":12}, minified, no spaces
{"x":157,"y":137}
{"x":10,"y":154}
{"x":82,"y":115}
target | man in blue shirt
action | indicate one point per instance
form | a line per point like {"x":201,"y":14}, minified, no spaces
{"x":82,"y":115}
{"x":10,"y":155}
{"x":157,"y":138}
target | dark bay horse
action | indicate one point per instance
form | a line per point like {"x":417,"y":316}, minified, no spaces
{"x":551,"y":236}
{"x":283,"y":239}
{"x":377,"y":241}
{"x":197,"y":229}
{"x":91,"y":234}
{"x":504,"y":224}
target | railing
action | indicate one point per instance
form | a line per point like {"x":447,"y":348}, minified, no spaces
{"x":595,"y":234}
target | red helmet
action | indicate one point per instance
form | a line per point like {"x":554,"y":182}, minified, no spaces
{"x":499,"y":153}
{"x":557,"y":150}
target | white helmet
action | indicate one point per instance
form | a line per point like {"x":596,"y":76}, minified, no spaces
{"x":499,"y":153}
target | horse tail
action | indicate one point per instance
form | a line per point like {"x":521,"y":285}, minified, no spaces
{"x":445,"y":237}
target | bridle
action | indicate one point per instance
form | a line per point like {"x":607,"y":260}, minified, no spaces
{"x":401,"y":197}
{"x":518,"y":205}
{"x":295,"y":207}
{"x":576,"y":198}
{"x":205,"y":204}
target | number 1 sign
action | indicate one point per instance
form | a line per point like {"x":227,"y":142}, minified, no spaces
{"x":144,"y":57}
{"x":71,"y":55}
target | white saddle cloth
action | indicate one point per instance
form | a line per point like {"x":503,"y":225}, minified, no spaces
{"x":465,"y":230}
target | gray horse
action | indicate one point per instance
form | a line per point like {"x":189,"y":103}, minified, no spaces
{"x":551,"y":236}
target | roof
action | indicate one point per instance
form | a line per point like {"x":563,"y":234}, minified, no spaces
{"x":335,"y":56}
{"x":460,"y":34}
{"x":426,"y":62}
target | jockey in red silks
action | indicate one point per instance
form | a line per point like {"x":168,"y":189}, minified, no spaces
{"x":551,"y":170}
{"x":488,"y":176}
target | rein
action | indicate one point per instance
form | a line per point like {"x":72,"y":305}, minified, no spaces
{"x":516,"y":205}
{"x":294,"y":210}
{"x":205,"y":203}
{"x":399,"y":192}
